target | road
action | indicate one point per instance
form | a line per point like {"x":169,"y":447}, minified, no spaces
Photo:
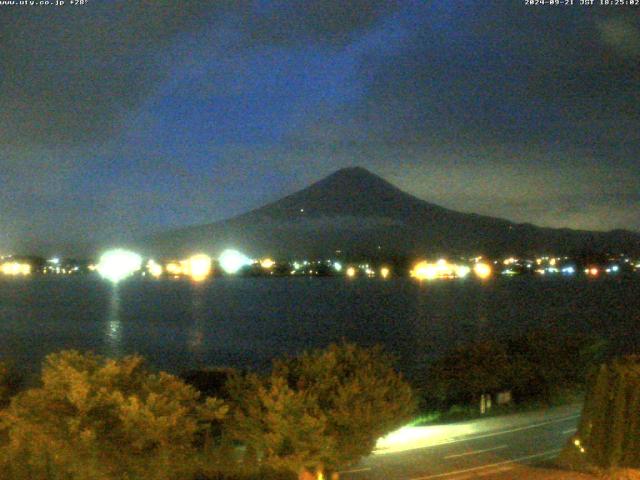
{"x":485,"y":448}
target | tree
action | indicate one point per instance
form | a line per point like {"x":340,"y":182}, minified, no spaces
{"x":540,"y":365}
{"x":467,"y":372}
{"x":546,"y":363}
{"x":609,"y":431}
{"x":322,"y":409}
{"x":284,"y":428}
{"x":101,"y":418}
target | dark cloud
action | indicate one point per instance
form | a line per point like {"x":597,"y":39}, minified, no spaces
{"x":622,"y":35}
{"x":125,"y":117}
{"x":503,"y":73}
{"x":331,"y":21}
{"x":70,"y":75}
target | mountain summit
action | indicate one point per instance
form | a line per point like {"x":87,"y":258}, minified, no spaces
{"x":358,"y":213}
{"x":347,"y":192}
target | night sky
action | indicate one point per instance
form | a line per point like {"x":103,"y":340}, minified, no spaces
{"x":122,"y":118}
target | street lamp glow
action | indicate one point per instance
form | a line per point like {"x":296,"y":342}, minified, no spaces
{"x":15,"y":268}
{"x":462,"y":271}
{"x":116,"y":265}
{"x":154,"y":269}
{"x":198,"y":267}
{"x":267,"y":263}
{"x":425,"y":270}
{"x":232,"y":261}
{"x":173,"y":268}
{"x":482,"y":270}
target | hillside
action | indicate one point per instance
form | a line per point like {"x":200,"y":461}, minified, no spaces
{"x":359,"y":213}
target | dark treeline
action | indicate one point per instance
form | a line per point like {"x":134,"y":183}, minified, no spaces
{"x":539,"y":366}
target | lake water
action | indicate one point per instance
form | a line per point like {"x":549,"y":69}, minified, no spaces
{"x":245,"y":322}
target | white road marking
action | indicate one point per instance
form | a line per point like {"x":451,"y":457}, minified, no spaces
{"x":476,"y":452}
{"x":484,"y":474}
{"x":490,"y":465}
{"x":571,"y":430}
{"x":355,"y":470}
{"x":497,"y":470}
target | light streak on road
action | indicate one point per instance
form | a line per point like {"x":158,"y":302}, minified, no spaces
{"x":412,"y":438}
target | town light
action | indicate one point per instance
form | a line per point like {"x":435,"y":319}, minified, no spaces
{"x":267,"y":263}
{"x":441,"y":269}
{"x":482,"y":270}
{"x":424,"y":271}
{"x":154,"y":269}
{"x":115,"y":265}
{"x":198,"y":267}
{"x":173,"y":268}
{"x":462,"y":271}
{"x":15,"y":268}
{"x":232,"y":261}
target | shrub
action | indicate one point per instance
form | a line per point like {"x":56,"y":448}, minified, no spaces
{"x":609,"y":432}
{"x":324,"y":408}
{"x":100,"y":418}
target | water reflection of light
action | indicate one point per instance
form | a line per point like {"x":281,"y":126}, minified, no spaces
{"x":113,"y":333}
{"x":195,"y":336}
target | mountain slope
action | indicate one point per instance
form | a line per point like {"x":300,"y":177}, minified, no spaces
{"x":359,"y":213}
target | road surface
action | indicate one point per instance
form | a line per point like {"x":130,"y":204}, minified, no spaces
{"x":485,"y":448}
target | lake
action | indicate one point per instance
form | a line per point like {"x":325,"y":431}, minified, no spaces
{"x":245,"y":322}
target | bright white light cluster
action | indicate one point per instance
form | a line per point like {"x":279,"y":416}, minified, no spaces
{"x":443,"y":269}
{"x":232,"y":261}
{"x":116,"y":265}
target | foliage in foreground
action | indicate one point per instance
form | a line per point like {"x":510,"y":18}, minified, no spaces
{"x":100,"y":418}
{"x":104,"y":419}
{"x":323,"y":409}
{"x":609,"y":432}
